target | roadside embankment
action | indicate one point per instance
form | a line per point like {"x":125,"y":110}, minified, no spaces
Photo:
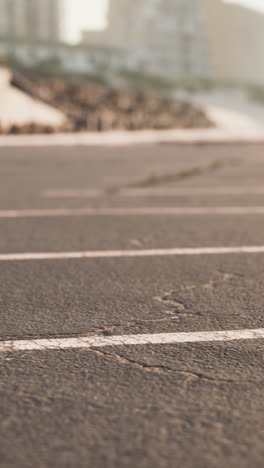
{"x":20,"y":112}
{"x":89,"y":107}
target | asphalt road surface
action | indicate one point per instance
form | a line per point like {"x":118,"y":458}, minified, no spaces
{"x":110,"y":354}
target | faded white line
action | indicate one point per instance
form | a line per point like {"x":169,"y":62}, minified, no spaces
{"x":147,"y":211}
{"x":156,"y":192}
{"x":130,"y":253}
{"x":75,"y":193}
{"x":88,"y":342}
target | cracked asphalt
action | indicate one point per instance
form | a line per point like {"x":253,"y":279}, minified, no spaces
{"x":149,"y":406}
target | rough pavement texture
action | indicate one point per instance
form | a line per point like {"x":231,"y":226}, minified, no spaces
{"x":146,"y":406}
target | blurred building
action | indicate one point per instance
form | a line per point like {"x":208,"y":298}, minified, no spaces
{"x":163,"y":37}
{"x":174,"y":39}
{"x":30,"y":19}
{"x":236,"y":35}
{"x":29,"y":29}
{"x":183,"y":39}
{"x":30,"y":35}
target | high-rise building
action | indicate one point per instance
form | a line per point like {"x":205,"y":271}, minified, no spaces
{"x":30,"y":19}
{"x":236,"y":35}
{"x":168,"y":37}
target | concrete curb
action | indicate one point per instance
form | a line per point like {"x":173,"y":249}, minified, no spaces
{"x":117,"y":138}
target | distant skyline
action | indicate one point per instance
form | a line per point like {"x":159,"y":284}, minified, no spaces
{"x":92,"y":14}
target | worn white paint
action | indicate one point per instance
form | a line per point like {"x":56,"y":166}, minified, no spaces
{"x":147,"y":211}
{"x":156,"y":192}
{"x":88,"y":342}
{"x":130,"y":253}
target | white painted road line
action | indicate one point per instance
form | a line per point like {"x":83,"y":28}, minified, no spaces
{"x":76,"y":193}
{"x":156,"y":192}
{"x":148,"y":211}
{"x":87,"y":342}
{"x":130,"y":253}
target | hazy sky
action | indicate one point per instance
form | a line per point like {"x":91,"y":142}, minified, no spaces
{"x":259,"y":4}
{"x":91,"y":14}
{"x":81,"y":14}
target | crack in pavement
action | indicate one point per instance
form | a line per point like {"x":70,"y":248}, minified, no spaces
{"x":177,"y":303}
{"x":133,"y":323}
{"x":161,"y":368}
{"x":100,"y":330}
{"x":156,"y":179}
{"x":92,"y":331}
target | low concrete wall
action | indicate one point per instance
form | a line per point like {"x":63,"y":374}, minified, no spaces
{"x":18,"y":108}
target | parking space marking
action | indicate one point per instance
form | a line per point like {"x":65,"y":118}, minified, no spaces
{"x":151,"y":211}
{"x":160,"y":192}
{"x":75,"y":193}
{"x":130,"y":253}
{"x":87,"y":342}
